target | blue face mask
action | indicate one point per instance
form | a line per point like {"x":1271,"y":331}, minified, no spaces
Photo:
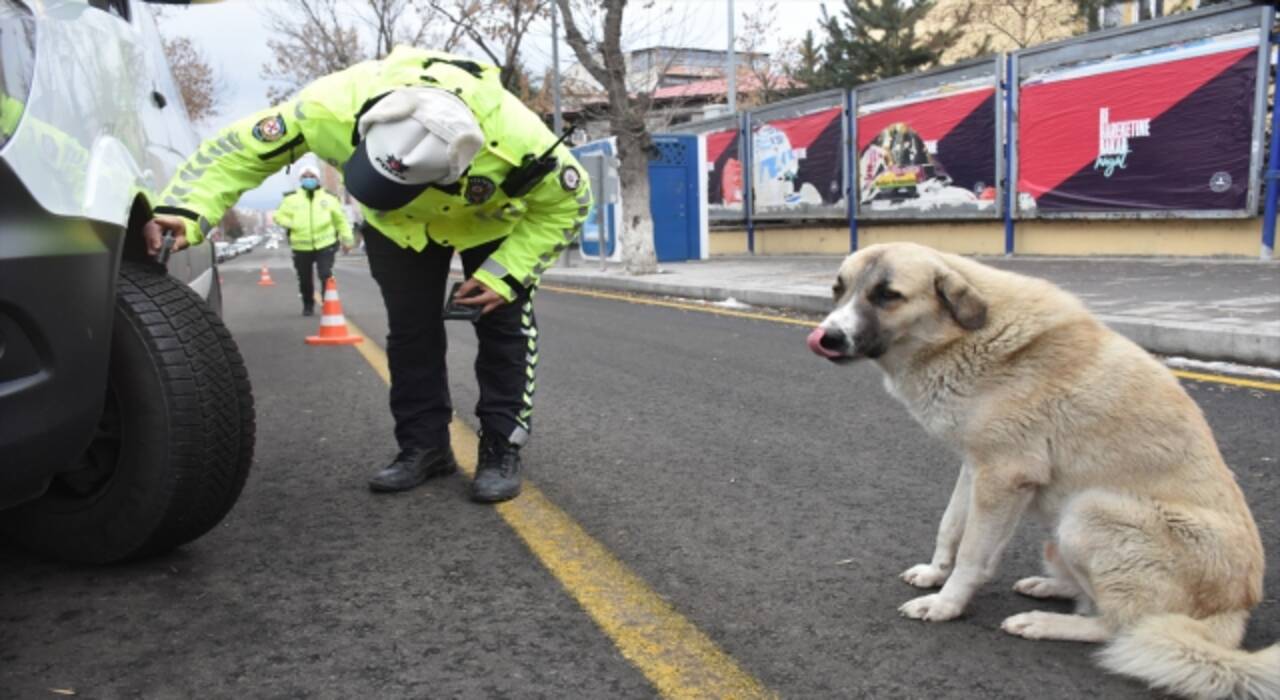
{"x":310,"y":183}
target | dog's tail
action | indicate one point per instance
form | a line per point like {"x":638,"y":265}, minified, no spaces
{"x":1195,"y":658}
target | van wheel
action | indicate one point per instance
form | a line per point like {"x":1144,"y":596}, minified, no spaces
{"x":175,"y":441}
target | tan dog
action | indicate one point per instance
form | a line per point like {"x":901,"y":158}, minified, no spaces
{"x":1052,"y":411}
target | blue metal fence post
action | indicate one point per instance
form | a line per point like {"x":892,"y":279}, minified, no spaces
{"x":748,"y":184}
{"x":1273,"y":172}
{"x":851,"y":171}
{"x":1009,"y":185}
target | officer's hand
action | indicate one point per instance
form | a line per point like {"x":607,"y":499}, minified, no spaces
{"x":155,"y":229}
{"x":346,"y":249}
{"x":486,"y":298}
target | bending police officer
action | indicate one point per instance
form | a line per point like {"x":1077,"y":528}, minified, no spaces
{"x":441,"y":158}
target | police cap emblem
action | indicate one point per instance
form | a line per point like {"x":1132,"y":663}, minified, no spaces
{"x":570,"y":179}
{"x":479,"y":189}
{"x":270,"y":129}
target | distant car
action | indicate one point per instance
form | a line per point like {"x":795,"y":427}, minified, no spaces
{"x":223,"y":250}
{"x":126,"y":416}
{"x":272,"y":244}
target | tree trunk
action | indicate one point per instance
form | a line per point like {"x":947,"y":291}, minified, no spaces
{"x":626,"y":119}
{"x":638,"y":256}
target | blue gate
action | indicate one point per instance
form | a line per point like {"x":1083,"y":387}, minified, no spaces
{"x":674,"y":198}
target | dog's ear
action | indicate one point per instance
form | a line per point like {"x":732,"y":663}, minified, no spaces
{"x":961,"y":300}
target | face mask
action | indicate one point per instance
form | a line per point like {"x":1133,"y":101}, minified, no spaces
{"x":310,"y":183}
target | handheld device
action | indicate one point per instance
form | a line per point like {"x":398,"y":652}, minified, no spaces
{"x":166,"y":248}
{"x":453,"y":311}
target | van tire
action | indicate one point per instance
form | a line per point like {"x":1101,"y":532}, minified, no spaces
{"x":175,"y":443}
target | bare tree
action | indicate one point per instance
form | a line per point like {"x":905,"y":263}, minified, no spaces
{"x":606,"y":62}
{"x":767,"y":71}
{"x":498,"y":28}
{"x":317,"y":37}
{"x":202,"y":88}
{"x":1004,"y":25}
{"x":231,"y":225}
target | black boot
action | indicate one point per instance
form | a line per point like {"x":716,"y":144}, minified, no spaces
{"x":497,"y":470}
{"x":308,"y":310}
{"x":412,"y":467}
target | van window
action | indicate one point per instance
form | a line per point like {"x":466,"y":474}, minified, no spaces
{"x":119,"y":8}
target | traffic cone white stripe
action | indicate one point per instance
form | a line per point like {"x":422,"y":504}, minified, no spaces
{"x":333,"y":325}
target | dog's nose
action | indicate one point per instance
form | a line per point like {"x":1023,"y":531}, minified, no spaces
{"x":827,"y":342}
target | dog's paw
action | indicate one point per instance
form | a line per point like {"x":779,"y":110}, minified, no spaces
{"x":925,"y":576}
{"x":1028,"y":625}
{"x":931,"y":608}
{"x":1045,"y":587}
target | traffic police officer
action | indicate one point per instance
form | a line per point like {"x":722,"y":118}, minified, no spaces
{"x":440,"y":157}
{"x":315,"y":222}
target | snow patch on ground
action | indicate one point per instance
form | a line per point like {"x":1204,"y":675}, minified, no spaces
{"x":1222,"y":367}
{"x":730,"y":303}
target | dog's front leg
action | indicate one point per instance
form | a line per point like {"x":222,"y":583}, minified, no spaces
{"x":997,"y":502}
{"x":951,"y":528}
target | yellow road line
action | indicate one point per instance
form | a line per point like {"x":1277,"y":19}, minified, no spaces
{"x":675,"y":656}
{"x":1234,"y":381}
{"x":631,"y":299}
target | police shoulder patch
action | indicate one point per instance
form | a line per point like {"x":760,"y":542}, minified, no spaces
{"x":479,"y":189}
{"x":270,"y":129}
{"x":570,"y":179}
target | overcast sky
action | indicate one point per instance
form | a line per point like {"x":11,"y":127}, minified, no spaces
{"x":233,"y":35}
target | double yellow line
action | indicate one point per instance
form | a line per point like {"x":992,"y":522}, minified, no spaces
{"x":701,"y":308}
{"x":675,"y":656}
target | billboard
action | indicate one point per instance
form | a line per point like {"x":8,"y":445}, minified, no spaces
{"x":724,"y":173}
{"x":798,"y":163}
{"x":930,"y":153}
{"x":1169,"y":128}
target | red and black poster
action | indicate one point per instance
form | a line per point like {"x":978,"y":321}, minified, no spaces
{"x":931,"y":155}
{"x":797,"y":163}
{"x":1169,"y":129}
{"x":724,"y":171}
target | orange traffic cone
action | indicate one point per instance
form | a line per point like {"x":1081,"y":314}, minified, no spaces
{"x":333,"y":325}
{"x":265,"y":279}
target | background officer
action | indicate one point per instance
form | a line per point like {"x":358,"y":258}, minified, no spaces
{"x":315,"y":221}
{"x":441,"y":158}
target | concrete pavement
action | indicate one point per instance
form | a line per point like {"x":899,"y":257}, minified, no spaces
{"x":1207,"y":309}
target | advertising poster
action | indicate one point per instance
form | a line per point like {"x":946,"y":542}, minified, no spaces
{"x":1165,"y":129}
{"x":931,"y":154}
{"x":724,"y":173}
{"x":797,"y":163}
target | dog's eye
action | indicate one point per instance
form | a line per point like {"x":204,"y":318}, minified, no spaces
{"x":837,"y":289}
{"x":881,"y":294}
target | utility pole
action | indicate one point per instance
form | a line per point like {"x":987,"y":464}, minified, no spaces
{"x":731,"y":70}
{"x":556,"y":120}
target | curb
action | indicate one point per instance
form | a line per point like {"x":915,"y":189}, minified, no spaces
{"x":1196,"y":340}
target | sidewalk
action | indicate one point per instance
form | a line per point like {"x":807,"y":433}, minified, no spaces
{"x":1207,"y":309}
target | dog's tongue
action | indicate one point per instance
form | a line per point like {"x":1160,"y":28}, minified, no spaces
{"x":815,"y":344}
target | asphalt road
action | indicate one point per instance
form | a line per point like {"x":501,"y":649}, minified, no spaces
{"x":769,"y":497}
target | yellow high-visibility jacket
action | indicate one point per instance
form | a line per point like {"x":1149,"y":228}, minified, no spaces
{"x":315,"y":220}
{"x":322,"y":119}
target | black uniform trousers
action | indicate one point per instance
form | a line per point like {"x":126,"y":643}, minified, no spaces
{"x":413,"y":286}
{"x":322,"y":261}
